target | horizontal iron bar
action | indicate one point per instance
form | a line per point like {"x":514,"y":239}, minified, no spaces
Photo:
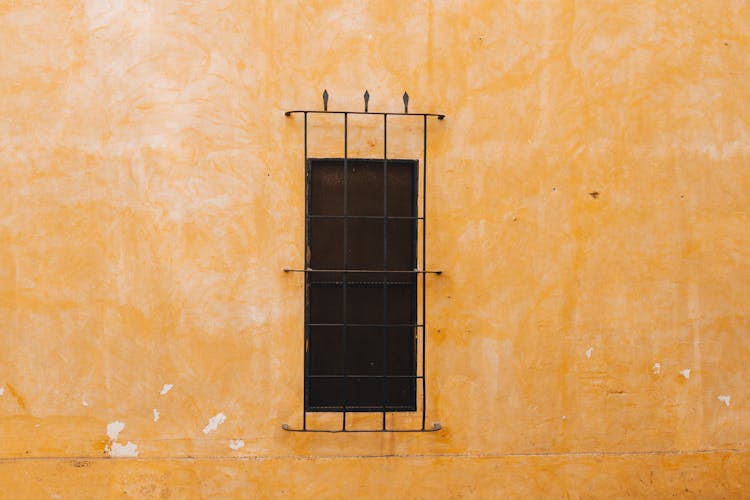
{"x":360,"y":284}
{"x":435,"y":427}
{"x":370,"y":325}
{"x":376,"y":113}
{"x":414,"y":377}
{"x":379,"y":217}
{"x":379,"y":271}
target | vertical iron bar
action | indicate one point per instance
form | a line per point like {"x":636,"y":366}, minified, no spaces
{"x":385,"y":266}
{"x":424,"y":267}
{"x":345,"y":379}
{"x":308,"y":180}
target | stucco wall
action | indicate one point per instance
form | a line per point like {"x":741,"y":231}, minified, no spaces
{"x":589,"y":205}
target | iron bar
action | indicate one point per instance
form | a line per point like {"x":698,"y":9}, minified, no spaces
{"x":306,"y":387}
{"x":362,"y":284}
{"x":367,"y":376}
{"x":375,"y":113}
{"x":346,"y":264}
{"x":424,"y":266}
{"x":435,"y":427}
{"x":363,"y":271}
{"x":355,"y":217}
{"x":371,"y":325}
{"x":385,"y":263}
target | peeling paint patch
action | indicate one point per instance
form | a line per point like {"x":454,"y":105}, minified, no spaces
{"x":84,"y":401}
{"x":116,"y":449}
{"x":114,"y":429}
{"x":2,"y":391}
{"x":589,"y":352}
{"x":166,"y":388}
{"x":214,"y":422}
{"x":563,"y":417}
{"x":127,"y":450}
{"x":236,"y":444}
{"x":156,"y":415}
{"x":656,"y":369}
{"x":685,"y":373}
{"x":725,"y":398}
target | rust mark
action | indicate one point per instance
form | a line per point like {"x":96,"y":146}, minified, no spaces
{"x":19,"y":399}
{"x":81,"y":463}
{"x":594,"y":194}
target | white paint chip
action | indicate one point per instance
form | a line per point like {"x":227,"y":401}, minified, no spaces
{"x":214,"y":422}
{"x":685,"y":373}
{"x":2,"y":391}
{"x":589,"y":352}
{"x":127,"y":450}
{"x":156,"y":415}
{"x":236,"y":444}
{"x":726,"y":399}
{"x":114,"y":429}
{"x":563,"y":417}
{"x":656,"y":368}
{"x":166,"y":388}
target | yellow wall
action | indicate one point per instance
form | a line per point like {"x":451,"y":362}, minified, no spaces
{"x":152,"y":192}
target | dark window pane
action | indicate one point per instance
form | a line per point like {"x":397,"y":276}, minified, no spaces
{"x":326,"y":187}
{"x":326,"y":243}
{"x":364,"y":304}
{"x":325,"y":350}
{"x":401,"y":393}
{"x":400,"y":348}
{"x":401,"y":243}
{"x":365,"y":393}
{"x":365,"y":244}
{"x":401,"y":199}
{"x":364,"y":350}
{"x":401,"y":304}
{"x":325,"y":394}
{"x":326,"y":304}
{"x":360,"y":354}
{"x":365,"y":180}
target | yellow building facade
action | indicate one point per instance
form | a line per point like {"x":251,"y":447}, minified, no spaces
{"x":588,"y":204}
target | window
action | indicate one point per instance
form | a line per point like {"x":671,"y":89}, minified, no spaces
{"x":365,"y":279}
{"x":361,"y":304}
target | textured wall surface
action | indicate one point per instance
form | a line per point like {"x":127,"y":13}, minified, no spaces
{"x":589,"y":204}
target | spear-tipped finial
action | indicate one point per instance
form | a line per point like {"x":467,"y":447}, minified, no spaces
{"x":325,"y":100}
{"x":406,"y":103}
{"x":367,"y":99}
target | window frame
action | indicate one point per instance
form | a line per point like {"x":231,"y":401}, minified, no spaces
{"x":347,"y":378}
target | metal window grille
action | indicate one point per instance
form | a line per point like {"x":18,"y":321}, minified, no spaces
{"x":365,"y":328}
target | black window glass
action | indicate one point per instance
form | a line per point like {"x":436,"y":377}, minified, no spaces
{"x":360,"y":327}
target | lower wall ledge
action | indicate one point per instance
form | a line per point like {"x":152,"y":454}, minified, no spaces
{"x":699,"y":475}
